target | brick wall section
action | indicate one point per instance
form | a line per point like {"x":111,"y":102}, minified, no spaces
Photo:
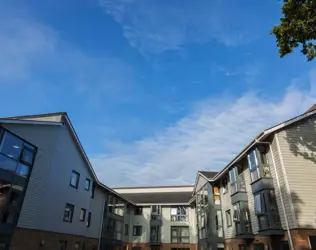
{"x":164,"y":246}
{"x":27,"y":239}
{"x":300,"y":238}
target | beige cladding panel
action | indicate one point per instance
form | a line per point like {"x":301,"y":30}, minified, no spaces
{"x":298,"y":149}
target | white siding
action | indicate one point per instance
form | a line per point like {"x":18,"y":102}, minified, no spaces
{"x":200,"y":183}
{"x":141,"y":220}
{"x":226,"y":204}
{"x":297,"y":145}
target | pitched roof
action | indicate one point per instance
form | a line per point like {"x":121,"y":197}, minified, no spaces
{"x":266,"y":133}
{"x":65,"y":119}
{"x":208,"y":174}
{"x":159,"y":198}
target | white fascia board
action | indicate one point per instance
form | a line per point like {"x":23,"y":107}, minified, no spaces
{"x":29,"y":122}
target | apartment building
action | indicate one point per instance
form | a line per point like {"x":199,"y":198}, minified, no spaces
{"x":160,"y":218}
{"x":265,"y":197}
{"x":50,"y":197}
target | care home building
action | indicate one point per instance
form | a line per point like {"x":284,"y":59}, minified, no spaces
{"x":265,"y":197}
{"x":50,"y":197}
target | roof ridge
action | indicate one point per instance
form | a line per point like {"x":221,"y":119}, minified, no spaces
{"x":35,"y":116}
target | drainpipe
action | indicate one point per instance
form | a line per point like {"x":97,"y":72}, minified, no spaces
{"x":102,"y":220}
{"x":281,"y":197}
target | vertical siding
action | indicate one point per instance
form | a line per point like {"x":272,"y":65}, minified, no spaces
{"x":297,"y":145}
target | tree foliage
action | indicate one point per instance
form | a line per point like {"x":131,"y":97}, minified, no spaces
{"x":297,"y":27}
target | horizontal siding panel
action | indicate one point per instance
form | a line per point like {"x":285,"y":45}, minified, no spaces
{"x":45,"y":138}
{"x":298,"y":147}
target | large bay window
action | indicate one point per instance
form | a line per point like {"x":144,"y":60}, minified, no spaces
{"x":258,"y":163}
{"x":236,"y":180}
{"x":242,"y":218}
{"x":266,"y":210}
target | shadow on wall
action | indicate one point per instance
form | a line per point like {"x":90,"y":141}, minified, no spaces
{"x":302,"y":140}
{"x":300,"y":240}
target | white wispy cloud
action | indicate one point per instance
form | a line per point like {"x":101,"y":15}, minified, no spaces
{"x":154,"y":27}
{"x":206,"y":139}
{"x":34,"y":54}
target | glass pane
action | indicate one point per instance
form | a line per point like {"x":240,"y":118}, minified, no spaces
{"x":74,"y":179}
{"x":255,"y":175}
{"x":185,"y":240}
{"x":27,"y":156}
{"x":87,"y":184}
{"x":11,"y":146}
{"x":23,"y":170}
{"x":252,"y":160}
{"x":7,"y":163}
{"x":184,"y":231}
{"x":258,"y":205}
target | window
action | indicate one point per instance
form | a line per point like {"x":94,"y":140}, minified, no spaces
{"x":217,"y":198}
{"x":138,"y":210}
{"x":228,"y":218}
{"x":89,"y":220}
{"x":266,"y":210}
{"x":254,"y":165}
{"x":118,"y":230}
{"x":62,"y":245}
{"x":16,"y":155}
{"x":87,"y":184}
{"x":74,"y":180}
{"x":154,"y":234}
{"x":69,"y":212}
{"x":82,"y":214}
{"x":126,"y":229}
{"x":218,"y":223}
{"x":137,"y":230}
{"x":77,"y":245}
{"x":11,"y":146}
{"x":180,"y":235}
{"x":242,"y":247}
{"x":93,"y":190}
{"x":179,"y":213}
{"x":312,"y":241}
{"x":258,"y":246}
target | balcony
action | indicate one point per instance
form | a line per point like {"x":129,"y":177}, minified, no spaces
{"x":238,"y":191}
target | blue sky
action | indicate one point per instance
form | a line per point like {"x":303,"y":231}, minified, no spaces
{"x":156,"y":90}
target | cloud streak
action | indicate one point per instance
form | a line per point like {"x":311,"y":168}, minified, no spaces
{"x":34,"y":54}
{"x":206,"y":139}
{"x":154,"y":27}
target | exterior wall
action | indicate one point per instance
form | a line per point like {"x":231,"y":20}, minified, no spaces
{"x":167,"y":224}
{"x":200,"y":183}
{"x":164,"y":246}
{"x":36,"y":239}
{"x":144,"y":221}
{"x":45,"y":138}
{"x":275,"y":162}
{"x":298,"y":151}
{"x":140,"y":220}
{"x":226,"y":204}
{"x":49,"y":190}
